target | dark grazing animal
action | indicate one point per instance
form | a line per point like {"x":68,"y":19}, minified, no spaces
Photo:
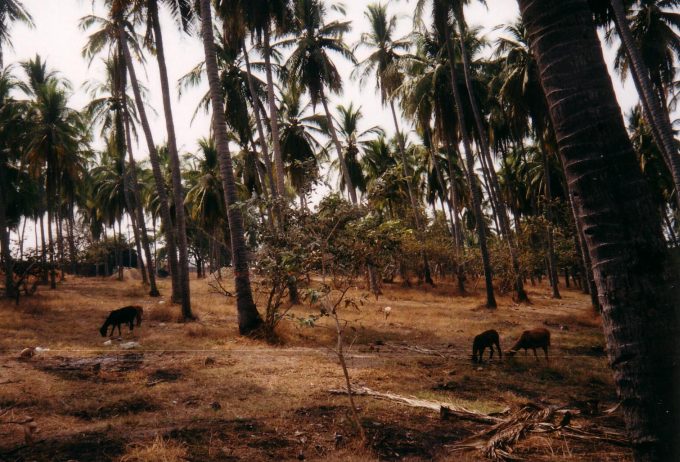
{"x":534,"y":338}
{"x":126,"y":315}
{"x":486,"y":339}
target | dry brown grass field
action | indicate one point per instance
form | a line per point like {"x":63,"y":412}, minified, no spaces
{"x":199,"y":392}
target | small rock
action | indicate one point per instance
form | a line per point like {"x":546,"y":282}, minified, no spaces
{"x":209,"y":361}
{"x":480,"y":368}
{"x":129,"y":345}
{"x":27,"y":353}
{"x":215,"y":406}
{"x":161,"y":324}
{"x":162,"y":302}
{"x":39,"y":350}
{"x":108,"y":343}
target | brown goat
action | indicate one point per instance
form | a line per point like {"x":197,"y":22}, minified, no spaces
{"x":486,"y":339}
{"x":534,"y":338}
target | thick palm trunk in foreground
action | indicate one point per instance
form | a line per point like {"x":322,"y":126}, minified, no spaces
{"x":636,"y":279}
{"x":249,"y":319}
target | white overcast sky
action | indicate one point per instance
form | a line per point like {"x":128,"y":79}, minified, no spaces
{"x":58,"y":39}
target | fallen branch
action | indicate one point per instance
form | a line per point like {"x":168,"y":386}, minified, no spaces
{"x":445,"y":409}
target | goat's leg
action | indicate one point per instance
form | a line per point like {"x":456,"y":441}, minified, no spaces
{"x":535,"y":355}
{"x":545,"y":350}
{"x":500,"y":352}
{"x":491,"y":355}
{"x":120,"y":333}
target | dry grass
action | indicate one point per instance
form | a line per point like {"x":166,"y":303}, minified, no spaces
{"x":158,"y":450}
{"x":200,"y":391}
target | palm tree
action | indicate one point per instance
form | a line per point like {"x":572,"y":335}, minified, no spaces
{"x":248,"y":317}
{"x":112,"y":108}
{"x":352,"y":138}
{"x":384,"y":62}
{"x":311,"y":66}
{"x":633,"y":270}
{"x":11,"y":11}
{"x":111,"y":32}
{"x":300,"y":149}
{"x":261,"y":18}
{"x":183,"y":11}
{"x":13,"y":128}
{"x":483,"y":145}
{"x":440,"y":16}
{"x":658,"y":23}
{"x":56,"y":139}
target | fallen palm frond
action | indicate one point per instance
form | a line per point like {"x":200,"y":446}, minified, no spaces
{"x":445,"y":409}
{"x":497,"y":442}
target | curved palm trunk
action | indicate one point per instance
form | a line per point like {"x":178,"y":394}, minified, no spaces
{"x":273,"y":115}
{"x":495,"y":190}
{"x":336,"y":142}
{"x":411,"y":195}
{"x":139,"y":210}
{"x":249,"y":319}
{"x":258,"y":122}
{"x":177,"y":188}
{"x":470,"y":173}
{"x":656,"y":115}
{"x":635,"y":275}
{"x":158,"y":177}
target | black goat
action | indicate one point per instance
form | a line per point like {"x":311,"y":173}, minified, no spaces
{"x":486,"y":339}
{"x":126,"y":315}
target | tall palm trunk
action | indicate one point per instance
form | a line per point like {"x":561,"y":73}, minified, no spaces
{"x":70,"y":232}
{"x":636,"y":279}
{"x":60,"y":238}
{"x":158,"y":177}
{"x":454,"y":201}
{"x":273,"y":114}
{"x":50,"y":219}
{"x":341,"y":159}
{"x":411,"y":194}
{"x":249,"y":319}
{"x":470,"y":173}
{"x":552,"y":260}
{"x":177,"y":188}
{"x":495,"y":190}
{"x":656,"y":115}
{"x":139,"y":210}
{"x":43,"y":247}
{"x":4,"y":238}
{"x":258,"y":122}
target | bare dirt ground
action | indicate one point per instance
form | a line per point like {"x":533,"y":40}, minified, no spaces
{"x":199,"y":392}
